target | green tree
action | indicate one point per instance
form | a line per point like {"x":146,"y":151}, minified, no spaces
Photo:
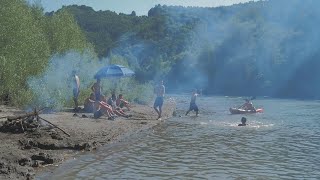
{"x":24,"y":50}
{"x":64,"y":34}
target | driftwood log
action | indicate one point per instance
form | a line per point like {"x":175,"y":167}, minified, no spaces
{"x":35,"y":114}
{"x":22,"y":117}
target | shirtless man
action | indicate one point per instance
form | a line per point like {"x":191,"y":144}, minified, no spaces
{"x":193,"y":105}
{"x":248,"y":106}
{"x":120,"y":102}
{"x":89,"y":104}
{"x":75,"y":89}
{"x":101,"y":108}
{"x":106,"y":109}
{"x":96,"y":88}
{"x":117,"y":110}
{"x":159,"y":91}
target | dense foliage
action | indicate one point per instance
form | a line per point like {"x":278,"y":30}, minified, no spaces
{"x":38,"y":52}
{"x":28,"y":39}
{"x":255,"y":48}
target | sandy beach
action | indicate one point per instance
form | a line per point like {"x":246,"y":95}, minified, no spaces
{"x":23,"y":154}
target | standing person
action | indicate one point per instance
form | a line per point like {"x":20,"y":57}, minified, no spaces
{"x":96,"y":88}
{"x":159,"y":91}
{"x":193,"y":105}
{"x":75,"y":89}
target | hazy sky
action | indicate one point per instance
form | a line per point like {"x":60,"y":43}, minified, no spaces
{"x":141,"y":7}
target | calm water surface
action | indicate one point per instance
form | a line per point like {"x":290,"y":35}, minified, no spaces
{"x":281,"y":143}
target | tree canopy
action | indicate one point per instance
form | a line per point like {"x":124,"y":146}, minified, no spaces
{"x":254,"y":48}
{"x":257,"y":48}
{"x":28,"y":39}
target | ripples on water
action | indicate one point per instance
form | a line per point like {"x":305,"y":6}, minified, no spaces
{"x":281,"y":143}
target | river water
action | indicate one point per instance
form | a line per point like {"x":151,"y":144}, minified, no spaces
{"x":281,"y":143}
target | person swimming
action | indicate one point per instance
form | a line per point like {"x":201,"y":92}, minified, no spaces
{"x":243,"y":122}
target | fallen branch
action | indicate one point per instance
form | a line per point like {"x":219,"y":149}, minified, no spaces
{"x":55,"y":126}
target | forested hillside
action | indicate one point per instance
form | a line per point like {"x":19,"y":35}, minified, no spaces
{"x":267,"y":48}
{"x":256,"y":48}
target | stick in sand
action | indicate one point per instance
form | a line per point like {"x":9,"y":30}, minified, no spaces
{"x":55,"y":126}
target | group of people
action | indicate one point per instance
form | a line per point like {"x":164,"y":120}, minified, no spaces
{"x":113,"y":106}
{"x":159,"y":90}
{"x":97,"y":103}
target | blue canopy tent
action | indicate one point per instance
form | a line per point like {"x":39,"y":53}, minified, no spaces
{"x":113,"y":72}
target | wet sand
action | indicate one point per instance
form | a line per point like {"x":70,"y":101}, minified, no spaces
{"x":25,"y":154}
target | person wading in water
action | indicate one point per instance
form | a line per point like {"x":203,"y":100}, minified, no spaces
{"x":159,"y":91}
{"x":193,"y":105}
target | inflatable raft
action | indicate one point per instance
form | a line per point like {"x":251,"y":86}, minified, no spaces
{"x":243,"y":111}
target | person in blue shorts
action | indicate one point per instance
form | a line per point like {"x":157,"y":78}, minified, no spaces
{"x":159,"y":90}
{"x":193,"y":105}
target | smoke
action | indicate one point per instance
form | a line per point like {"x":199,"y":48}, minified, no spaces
{"x":256,"y":48}
{"x":134,"y":50}
{"x":288,"y":42}
{"x":54,"y":87}
{"x":145,"y":57}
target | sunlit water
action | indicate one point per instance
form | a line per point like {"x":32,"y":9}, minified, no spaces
{"x":281,"y":143}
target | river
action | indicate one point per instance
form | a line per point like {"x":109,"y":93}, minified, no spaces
{"x":283,"y":142}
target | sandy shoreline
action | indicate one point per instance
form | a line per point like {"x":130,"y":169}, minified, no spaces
{"x":25,"y":154}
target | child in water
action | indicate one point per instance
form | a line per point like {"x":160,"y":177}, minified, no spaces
{"x":243,"y":121}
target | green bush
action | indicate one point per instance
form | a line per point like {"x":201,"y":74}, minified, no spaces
{"x":28,"y":39}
